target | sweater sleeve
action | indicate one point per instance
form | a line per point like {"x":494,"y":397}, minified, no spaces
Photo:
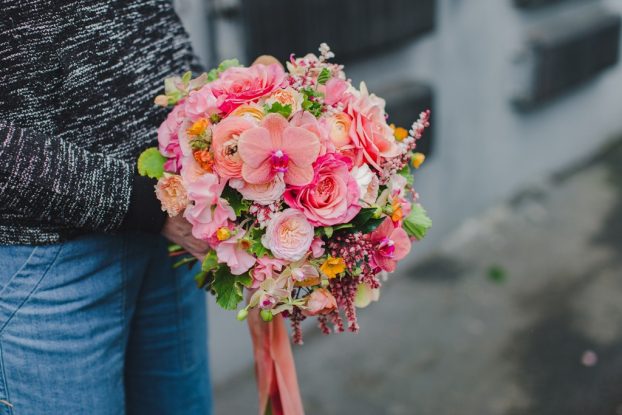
{"x":51,"y":180}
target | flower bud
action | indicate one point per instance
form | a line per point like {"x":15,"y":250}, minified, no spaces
{"x":242,"y":314}
{"x":266,"y":315}
{"x":417,"y":160}
{"x":223,"y":234}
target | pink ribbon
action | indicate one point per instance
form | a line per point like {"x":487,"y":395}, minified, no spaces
{"x":277,"y":383}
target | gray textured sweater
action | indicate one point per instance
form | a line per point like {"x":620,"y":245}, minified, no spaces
{"x":77,"y":82}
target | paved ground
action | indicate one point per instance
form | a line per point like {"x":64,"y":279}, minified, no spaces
{"x":519,"y":313}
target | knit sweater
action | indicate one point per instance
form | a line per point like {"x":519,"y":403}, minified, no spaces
{"x":77,"y":82}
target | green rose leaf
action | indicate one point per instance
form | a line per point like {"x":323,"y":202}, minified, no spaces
{"x":417,"y":222}
{"x":229,"y":288}
{"x":278,"y":108}
{"x":210,"y":262}
{"x":151,"y":163}
{"x":236,"y":201}
{"x":323,"y":77}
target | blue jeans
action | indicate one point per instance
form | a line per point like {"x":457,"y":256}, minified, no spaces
{"x":101,"y":325}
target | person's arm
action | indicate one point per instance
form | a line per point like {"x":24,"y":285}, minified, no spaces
{"x":51,"y":180}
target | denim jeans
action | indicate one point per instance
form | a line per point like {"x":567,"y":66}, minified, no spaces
{"x":101,"y":325}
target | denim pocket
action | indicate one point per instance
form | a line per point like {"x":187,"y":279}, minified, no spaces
{"x":21,"y":270}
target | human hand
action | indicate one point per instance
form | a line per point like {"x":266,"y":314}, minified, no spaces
{"x":179,"y":231}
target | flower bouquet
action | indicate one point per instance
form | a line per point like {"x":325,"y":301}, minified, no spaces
{"x":298,"y":183}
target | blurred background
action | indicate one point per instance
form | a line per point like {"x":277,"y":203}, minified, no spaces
{"x":513,"y":304}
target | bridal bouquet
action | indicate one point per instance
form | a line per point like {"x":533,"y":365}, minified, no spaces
{"x":296,"y":180}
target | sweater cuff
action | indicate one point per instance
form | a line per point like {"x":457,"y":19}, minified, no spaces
{"x":145,"y":211}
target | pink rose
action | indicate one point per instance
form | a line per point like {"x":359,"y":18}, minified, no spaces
{"x":237,"y":86}
{"x":370,"y":134}
{"x":288,"y":235}
{"x":265,"y":268}
{"x":335,"y":91}
{"x":320,"y":301}
{"x":227,"y":161}
{"x":332,"y":197}
{"x":201,"y":103}
{"x":171,"y":193}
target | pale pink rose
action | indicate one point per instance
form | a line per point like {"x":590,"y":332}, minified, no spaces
{"x":171,"y":193}
{"x":209,"y":212}
{"x":266,"y":267}
{"x":288,"y":235}
{"x":234,"y":252}
{"x":317,"y":247}
{"x":320,"y":301}
{"x":332,"y":197}
{"x":370,"y":134}
{"x":391,"y":244}
{"x":202,"y":103}
{"x":227,"y":161}
{"x":237,"y":85}
{"x":265,"y":193}
{"x":277,"y":148}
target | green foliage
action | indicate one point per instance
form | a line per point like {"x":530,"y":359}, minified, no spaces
{"x":229,"y":288}
{"x":278,"y":108}
{"x":366,"y":221}
{"x":185,"y":261}
{"x":417,"y":222}
{"x":224,"y":65}
{"x":236,"y":201}
{"x":323,"y":77}
{"x":310,"y":101}
{"x":210,"y":262}
{"x":151,"y":163}
{"x":202,"y":279}
{"x":497,"y":274}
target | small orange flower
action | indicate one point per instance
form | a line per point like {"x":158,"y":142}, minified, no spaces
{"x":205,"y":159}
{"x":198,"y":128}
{"x":400,"y":133}
{"x":223,"y":234}
{"x":333,"y":266}
{"x":397,"y":213}
{"x":417,"y":160}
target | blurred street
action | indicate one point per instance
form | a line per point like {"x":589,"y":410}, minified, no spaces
{"x":517,"y":313}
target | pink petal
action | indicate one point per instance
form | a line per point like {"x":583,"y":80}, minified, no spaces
{"x":258,"y":175}
{"x":384,"y":230}
{"x":301,"y":146}
{"x":254,"y":146}
{"x":275,"y":124}
{"x":402,"y":243}
{"x":297,"y":175}
{"x":387,"y":264}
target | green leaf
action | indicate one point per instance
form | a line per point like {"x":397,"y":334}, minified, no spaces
{"x":328,"y":231}
{"x":202,"y":279}
{"x":278,"y":108}
{"x":210,"y":262}
{"x":184,"y":261}
{"x":151,"y":163}
{"x":257,"y":248}
{"x":236,"y":201}
{"x":174,"y":248}
{"x":417,"y":222}
{"x":228,"y":288}
{"x":323,"y":77}
{"x":371,"y":225}
{"x":407,"y":175}
{"x":224,"y":65}
{"x":186,"y":77}
{"x":364,"y":215}
{"x":312,"y":105}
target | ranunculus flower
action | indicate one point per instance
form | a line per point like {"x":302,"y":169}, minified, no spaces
{"x":233,"y":252}
{"x":369,"y":132}
{"x":171,"y":193}
{"x":278,"y":148}
{"x":286,"y":96}
{"x":320,"y":301}
{"x":264,"y":193}
{"x":335,"y":91}
{"x":391,"y":244}
{"x":225,"y":134}
{"x":332,"y":197}
{"x":209,"y":211}
{"x":201,"y":103}
{"x":288,"y":235}
{"x":253,"y":112}
{"x":237,"y":86}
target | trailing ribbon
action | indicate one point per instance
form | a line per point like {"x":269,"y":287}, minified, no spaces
{"x":277,"y":383}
